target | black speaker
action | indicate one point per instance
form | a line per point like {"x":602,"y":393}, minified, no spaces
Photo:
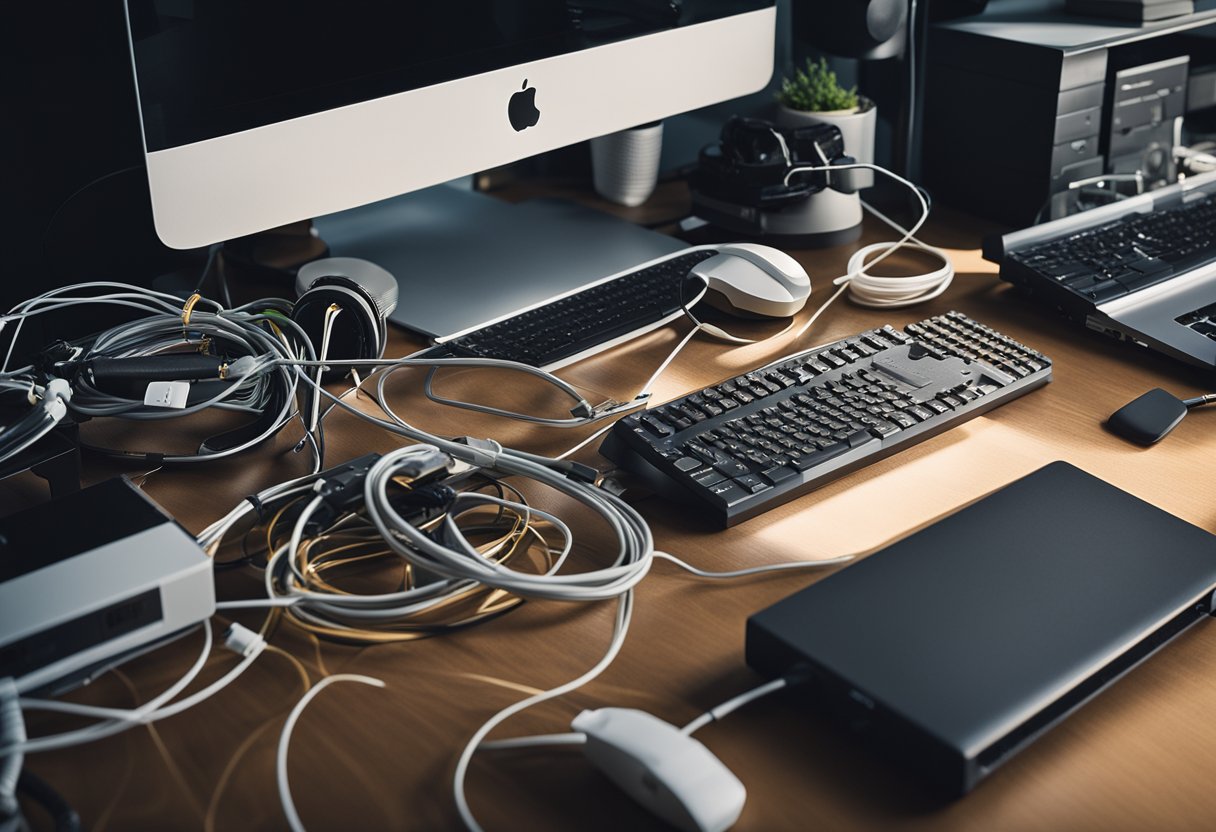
{"x":870,"y":29}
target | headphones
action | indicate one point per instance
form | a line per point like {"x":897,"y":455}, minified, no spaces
{"x":352,"y":298}
{"x":751,"y":163}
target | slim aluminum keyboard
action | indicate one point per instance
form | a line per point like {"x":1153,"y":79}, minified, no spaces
{"x":582,"y":323}
{"x":761,"y":439}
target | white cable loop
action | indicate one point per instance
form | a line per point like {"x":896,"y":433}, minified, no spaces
{"x":868,"y":289}
{"x":289,"y":805}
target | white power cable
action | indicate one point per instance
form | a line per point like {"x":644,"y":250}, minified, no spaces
{"x":878,"y":292}
{"x":12,"y":733}
{"x":152,"y":711}
{"x":106,"y":729}
{"x":718,"y":712}
{"x":792,"y":566}
{"x":620,"y":629}
{"x":289,"y":805}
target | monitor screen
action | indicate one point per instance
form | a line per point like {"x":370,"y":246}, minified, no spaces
{"x":255,"y":114}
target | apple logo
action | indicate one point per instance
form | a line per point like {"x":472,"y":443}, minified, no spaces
{"x":521,"y":109}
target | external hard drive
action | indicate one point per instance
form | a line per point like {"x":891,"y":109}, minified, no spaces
{"x":959,"y":645}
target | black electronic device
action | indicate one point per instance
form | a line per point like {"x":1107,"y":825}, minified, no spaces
{"x":955,"y":648}
{"x":1145,"y":103}
{"x":1135,"y":11}
{"x":868,"y":29}
{"x":343,"y":307}
{"x":749,"y":183}
{"x":1148,"y":418}
{"x":751,"y":164}
{"x":751,"y":443}
{"x":1138,"y":269}
{"x":1020,"y":105}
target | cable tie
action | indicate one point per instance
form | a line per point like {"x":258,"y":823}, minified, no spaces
{"x":485,"y":451}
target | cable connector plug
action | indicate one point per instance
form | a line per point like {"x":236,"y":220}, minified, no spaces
{"x":580,"y":473}
{"x":238,"y":369}
{"x":55,"y":398}
{"x":582,"y":410}
{"x":243,"y":641}
{"x":341,"y":489}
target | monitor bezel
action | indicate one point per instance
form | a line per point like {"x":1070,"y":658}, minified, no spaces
{"x":242,"y":183}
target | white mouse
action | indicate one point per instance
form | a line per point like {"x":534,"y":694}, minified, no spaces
{"x":752,"y":279}
{"x":667,"y":771}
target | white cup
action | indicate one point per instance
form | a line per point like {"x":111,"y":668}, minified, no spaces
{"x":625,"y":165}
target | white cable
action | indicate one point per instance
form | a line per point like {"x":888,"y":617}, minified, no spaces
{"x":12,"y":733}
{"x":258,"y":603}
{"x":620,"y":629}
{"x":289,"y":806}
{"x":596,"y":435}
{"x":755,"y":570}
{"x":125,"y":718}
{"x":868,"y":289}
{"x":529,"y":742}
{"x":716,"y":713}
{"x":878,"y":292}
{"x":121,"y":720}
{"x":446,"y":551}
{"x":331,"y":315}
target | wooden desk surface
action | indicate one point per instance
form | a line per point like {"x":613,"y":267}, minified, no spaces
{"x":1143,"y":755}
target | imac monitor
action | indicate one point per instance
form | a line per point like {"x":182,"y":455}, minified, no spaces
{"x":257,"y":114}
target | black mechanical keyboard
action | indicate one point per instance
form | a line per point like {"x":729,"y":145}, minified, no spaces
{"x":761,"y":439}
{"x":585,"y":322}
{"x":1132,"y":253}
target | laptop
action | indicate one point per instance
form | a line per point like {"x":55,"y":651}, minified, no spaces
{"x":1142,"y":269}
{"x":463,"y":258}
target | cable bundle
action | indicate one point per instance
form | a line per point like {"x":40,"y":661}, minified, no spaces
{"x":459,"y":545}
{"x":173,"y":361}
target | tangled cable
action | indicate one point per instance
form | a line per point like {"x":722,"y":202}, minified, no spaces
{"x":219,"y":358}
{"x":460,"y":545}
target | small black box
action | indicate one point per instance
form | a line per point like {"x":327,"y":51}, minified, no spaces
{"x":956,"y":647}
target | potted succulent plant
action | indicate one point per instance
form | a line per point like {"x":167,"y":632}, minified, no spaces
{"x":815,"y":95}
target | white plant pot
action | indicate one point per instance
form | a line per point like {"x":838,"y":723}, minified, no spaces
{"x":856,"y":127}
{"x":625,"y":165}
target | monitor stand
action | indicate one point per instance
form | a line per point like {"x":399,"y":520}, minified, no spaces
{"x":463,"y":258}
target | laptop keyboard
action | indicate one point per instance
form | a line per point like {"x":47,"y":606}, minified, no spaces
{"x":1202,"y":320}
{"x":1128,"y":255}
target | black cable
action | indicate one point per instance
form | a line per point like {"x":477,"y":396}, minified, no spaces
{"x":1200,"y":401}
{"x":38,"y":790}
